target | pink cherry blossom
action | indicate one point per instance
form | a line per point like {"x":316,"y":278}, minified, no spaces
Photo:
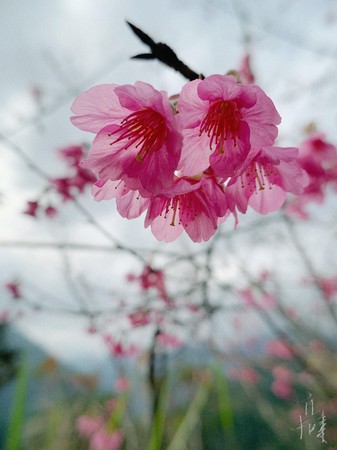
{"x":279,"y":348}
{"x":248,"y":297}
{"x":81,"y":179}
{"x":327,"y":284}
{"x":117,"y":348}
{"x":97,"y":108}
{"x":191,"y":205}
{"x":122,"y":384}
{"x":31,"y":208}
{"x":318,"y":158}
{"x":221,"y":122}
{"x":137,"y":136}
{"x":317,"y":155}
{"x":282,"y":389}
{"x":245,"y":375}
{"x":71,"y":185}
{"x":268,"y":176}
{"x":282,"y":373}
{"x":266,"y":301}
{"x":14,"y":288}
{"x":282,"y":386}
{"x":168,"y":340}
{"x":50,"y":211}
{"x":104,"y":440}
{"x":150,"y":278}
{"x":72,"y":154}
{"x":87,"y":425}
{"x":245,"y":72}
{"x":130,"y":203}
{"x":139,"y":318}
{"x":92,"y":329}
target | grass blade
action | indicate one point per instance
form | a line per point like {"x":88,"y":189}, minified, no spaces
{"x":191,"y":418}
{"x":13,"y":441}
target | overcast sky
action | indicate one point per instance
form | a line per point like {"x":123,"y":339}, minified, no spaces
{"x":62,"y":47}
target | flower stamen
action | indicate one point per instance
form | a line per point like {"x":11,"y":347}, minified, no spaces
{"x":221,"y":122}
{"x":144,"y":129}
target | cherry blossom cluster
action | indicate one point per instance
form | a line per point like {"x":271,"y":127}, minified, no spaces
{"x":67,"y":187}
{"x":188,"y":163}
{"x":151,"y":278}
{"x":318,"y":158}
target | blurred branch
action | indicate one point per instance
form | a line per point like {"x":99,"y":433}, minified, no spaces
{"x":309,"y":265}
{"x":90,"y":218}
{"x":291,"y":344}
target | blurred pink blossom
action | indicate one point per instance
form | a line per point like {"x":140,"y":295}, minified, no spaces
{"x":245,"y":72}
{"x":169,"y":340}
{"x":87,"y":425}
{"x":245,"y":375}
{"x":122,"y":384}
{"x":50,"y":211}
{"x":149,"y":278}
{"x":139,"y":318}
{"x":318,"y":158}
{"x":72,"y":155}
{"x":327,"y":284}
{"x":14,"y":288}
{"x":103,"y":440}
{"x":279,"y":349}
{"x":117,"y":349}
{"x":282,"y":373}
{"x":31,"y":208}
{"x":282,"y":389}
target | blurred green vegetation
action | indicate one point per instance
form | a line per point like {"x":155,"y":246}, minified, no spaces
{"x":198,"y":409}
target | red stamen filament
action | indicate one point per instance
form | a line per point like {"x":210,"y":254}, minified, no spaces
{"x":221,"y":122}
{"x":183,"y":204}
{"x":145,"y":129}
{"x":258,"y":176}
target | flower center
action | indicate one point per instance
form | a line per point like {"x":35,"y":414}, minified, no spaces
{"x":186,"y":207}
{"x":258,"y":176}
{"x":144,"y":129}
{"x":221,"y":122}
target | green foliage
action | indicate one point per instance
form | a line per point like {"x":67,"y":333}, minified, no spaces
{"x":198,"y":409}
{"x":17,"y":415}
{"x":158,"y":426}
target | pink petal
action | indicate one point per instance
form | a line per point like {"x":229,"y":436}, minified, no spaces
{"x":96,"y":108}
{"x":267,"y":200}
{"x":229,"y":163}
{"x":195,"y":152}
{"x":191,"y":108}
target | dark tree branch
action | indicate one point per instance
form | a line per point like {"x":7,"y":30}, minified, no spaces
{"x":163,"y":53}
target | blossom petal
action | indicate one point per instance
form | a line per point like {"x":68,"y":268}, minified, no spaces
{"x":190,"y":106}
{"x":267,"y":200}
{"x":96,"y":108}
{"x":230,"y":161}
{"x":195,"y":152}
